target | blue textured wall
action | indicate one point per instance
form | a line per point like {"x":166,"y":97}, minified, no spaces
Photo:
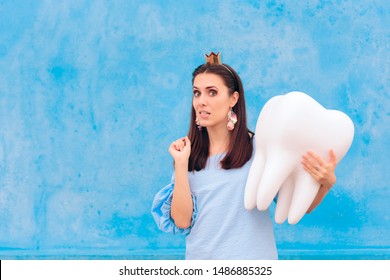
{"x":93,"y":92}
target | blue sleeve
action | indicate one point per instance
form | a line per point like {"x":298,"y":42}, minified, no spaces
{"x":161,"y":211}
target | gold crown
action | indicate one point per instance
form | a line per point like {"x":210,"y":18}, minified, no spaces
{"x":213,"y":58}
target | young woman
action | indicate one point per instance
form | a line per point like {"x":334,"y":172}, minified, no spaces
{"x":205,"y":199}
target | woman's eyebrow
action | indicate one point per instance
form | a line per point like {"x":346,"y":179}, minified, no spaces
{"x":208,"y":87}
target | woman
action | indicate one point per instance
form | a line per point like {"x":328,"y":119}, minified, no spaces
{"x":205,"y":198}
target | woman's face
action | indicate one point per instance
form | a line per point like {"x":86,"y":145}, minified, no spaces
{"x":211,"y":100}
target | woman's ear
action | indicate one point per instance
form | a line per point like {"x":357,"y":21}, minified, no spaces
{"x":234,"y":99}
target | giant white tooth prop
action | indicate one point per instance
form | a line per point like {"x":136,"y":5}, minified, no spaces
{"x":288,"y":126}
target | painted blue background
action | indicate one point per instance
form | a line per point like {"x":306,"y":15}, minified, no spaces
{"x":93,"y":92}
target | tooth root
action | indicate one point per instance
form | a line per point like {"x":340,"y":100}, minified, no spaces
{"x":284,"y":200}
{"x":306,"y":189}
{"x":253,"y":181}
{"x":278,"y":167}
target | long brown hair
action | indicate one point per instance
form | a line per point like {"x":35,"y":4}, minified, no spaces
{"x":241,"y":146}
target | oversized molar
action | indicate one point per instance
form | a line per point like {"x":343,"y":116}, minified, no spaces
{"x":288,"y":126}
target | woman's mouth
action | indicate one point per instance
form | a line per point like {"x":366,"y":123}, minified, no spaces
{"x":204,"y":114}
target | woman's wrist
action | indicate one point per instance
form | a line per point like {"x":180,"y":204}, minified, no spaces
{"x":328,"y":184}
{"x":181,"y":164}
{"x":324,"y":187}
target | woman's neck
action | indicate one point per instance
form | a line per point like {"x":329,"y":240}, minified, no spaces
{"x":219,"y":140}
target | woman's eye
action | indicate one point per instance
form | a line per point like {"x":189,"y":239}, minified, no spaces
{"x":196,"y":93}
{"x":213,"y":92}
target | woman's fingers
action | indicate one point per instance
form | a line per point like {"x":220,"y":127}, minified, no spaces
{"x":321,"y":171}
{"x":314,"y":170}
{"x":332,"y":157}
{"x":314,"y":159}
{"x":313,"y":174}
{"x":180,"y":144}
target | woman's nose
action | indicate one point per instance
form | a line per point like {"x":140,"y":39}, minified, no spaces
{"x":202,"y":99}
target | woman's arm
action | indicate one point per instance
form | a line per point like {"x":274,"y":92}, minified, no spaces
{"x":182,"y":204}
{"x":322,"y":172}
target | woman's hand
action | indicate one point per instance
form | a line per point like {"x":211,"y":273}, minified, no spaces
{"x":323,"y":172}
{"x":180,"y":150}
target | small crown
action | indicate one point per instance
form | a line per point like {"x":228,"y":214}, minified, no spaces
{"x":213,"y":58}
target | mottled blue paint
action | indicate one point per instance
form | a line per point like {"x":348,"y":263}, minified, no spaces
{"x":93,"y":92}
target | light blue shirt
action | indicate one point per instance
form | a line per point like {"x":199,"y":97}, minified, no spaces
{"x":221,"y":227}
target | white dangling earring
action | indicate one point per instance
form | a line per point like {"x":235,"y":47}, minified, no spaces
{"x":197,"y":122}
{"x":232,"y":120}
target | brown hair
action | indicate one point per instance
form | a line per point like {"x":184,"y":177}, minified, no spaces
{"x":241,"y":146}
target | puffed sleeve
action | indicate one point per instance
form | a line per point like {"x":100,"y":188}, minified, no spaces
{"x":161,"y":211}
